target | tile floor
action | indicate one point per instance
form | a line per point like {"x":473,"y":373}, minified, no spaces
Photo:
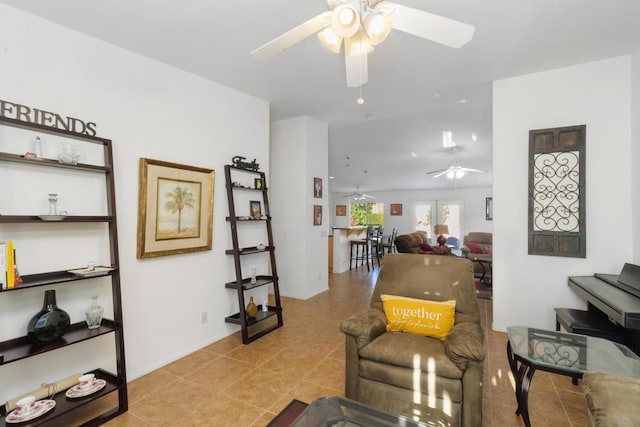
{"x":230,"y":384}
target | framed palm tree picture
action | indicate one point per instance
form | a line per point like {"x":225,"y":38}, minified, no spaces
{"x":175,"y":208}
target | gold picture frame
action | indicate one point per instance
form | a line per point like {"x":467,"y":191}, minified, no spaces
{"x":175,"y":209}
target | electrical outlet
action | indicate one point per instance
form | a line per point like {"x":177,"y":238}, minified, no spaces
{"x":203,"y":317}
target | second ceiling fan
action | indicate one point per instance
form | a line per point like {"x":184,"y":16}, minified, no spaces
{"x":362,"y":24}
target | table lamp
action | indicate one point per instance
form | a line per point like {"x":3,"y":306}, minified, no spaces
{"x":441,"y":229}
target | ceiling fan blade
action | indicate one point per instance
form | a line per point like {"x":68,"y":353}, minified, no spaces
{"x":473,"y":170}
{"x":444,"y":172}
{"x":437,"y":171}
{"x":357,"y":69}
{"x":431,"y":27}
{"x":291,"y":37}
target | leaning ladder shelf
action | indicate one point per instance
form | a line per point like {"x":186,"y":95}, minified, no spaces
{"x":244,"y":284}
{"x":19,"y":348}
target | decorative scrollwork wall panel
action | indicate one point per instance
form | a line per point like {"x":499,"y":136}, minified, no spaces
{"x":556,"y":191}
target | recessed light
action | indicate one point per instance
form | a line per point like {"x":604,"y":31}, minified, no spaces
{"x":414,"y":154}
{"x":436,"y":95}
{"x":474,"y":137}
{"x":331,"y":177}
{"x":463,"y":101}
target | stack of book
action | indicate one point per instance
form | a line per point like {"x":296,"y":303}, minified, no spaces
{"x":9,"y":276}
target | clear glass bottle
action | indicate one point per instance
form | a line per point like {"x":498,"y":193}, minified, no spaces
{"x":94,"y":313}
{"x":37,"y":148}
{"x":53,"y":204}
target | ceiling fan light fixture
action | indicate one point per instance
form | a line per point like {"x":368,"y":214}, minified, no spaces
{"x":455,"y":174}
{"x":358,"y":45}
{"x":377,"y":27}
{"x":330,"y":39}
{"x":345,"y":20}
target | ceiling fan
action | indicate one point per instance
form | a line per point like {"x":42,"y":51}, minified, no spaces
{"x":358,"y":195}
{"x":363,"y":24}
{"x":454,"y":172}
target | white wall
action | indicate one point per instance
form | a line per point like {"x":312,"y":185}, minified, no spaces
{"x":598,"y":94}
{"x":635,"y":152}
{"x":474,"y":206}
{"x":149,"y":110}
{"x":299,"y":152}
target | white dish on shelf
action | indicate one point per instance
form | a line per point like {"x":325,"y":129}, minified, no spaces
{"x":52,"y":217}
{"x":86,"y":272}
{"x":41,"y":408}
{"x":77,"y":391}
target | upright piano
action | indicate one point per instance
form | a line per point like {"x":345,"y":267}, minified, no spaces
{"x":617,"y":296}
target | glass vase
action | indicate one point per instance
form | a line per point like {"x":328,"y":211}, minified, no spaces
{"x":94,"y":313}
{"x":50,"y":323}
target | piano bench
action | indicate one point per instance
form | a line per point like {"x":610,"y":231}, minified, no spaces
{"x":588,"y":323}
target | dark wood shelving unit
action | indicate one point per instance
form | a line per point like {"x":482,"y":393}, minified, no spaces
{"x":20,"y":348}
{"x":242,"y":284}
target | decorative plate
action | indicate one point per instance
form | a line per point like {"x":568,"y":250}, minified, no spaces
{"x":85,"y":272}
{"x":52,"y":217}
{"x":77,"y":391}
{"x":41,"y":408}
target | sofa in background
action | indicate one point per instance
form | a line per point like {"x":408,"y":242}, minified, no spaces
{"x":417,"y":243}
{"x":416,"y":375}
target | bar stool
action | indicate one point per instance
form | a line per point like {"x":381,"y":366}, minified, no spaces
{"x":360,"y":243}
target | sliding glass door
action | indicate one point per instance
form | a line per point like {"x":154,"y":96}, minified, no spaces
{"x":431,"y":212}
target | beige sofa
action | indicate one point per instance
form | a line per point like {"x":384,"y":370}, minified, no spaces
{"x":438,"y":381}
{"x":417,"y":243}
{"x":612,"y":400}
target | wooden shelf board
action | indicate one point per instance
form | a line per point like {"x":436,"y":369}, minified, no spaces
{"x":68,"y":219}
{"x":260,"y":316}
{"x":42,"y":279}
{"x":246,"y":283}
{"x":64,"y":405}
{"x":17,"y":158}
{"x":22,"y":347}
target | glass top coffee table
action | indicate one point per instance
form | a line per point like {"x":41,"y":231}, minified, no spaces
{"x":343,"y":412}
{"x":530,"y":349}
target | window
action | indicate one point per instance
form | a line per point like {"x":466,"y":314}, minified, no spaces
{"x":431,"y":212}
{"x":423,"y":220}
{"x":366,"y":213}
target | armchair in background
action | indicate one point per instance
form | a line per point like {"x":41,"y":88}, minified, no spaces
{"x":437,"y":380}
{"x":478,"y":245}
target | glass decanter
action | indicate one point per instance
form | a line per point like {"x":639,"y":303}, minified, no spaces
{"x":53,"y":204}
{"x":93,"y":314}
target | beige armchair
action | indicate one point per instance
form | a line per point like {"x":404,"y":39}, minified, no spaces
{"x":414,"y":375}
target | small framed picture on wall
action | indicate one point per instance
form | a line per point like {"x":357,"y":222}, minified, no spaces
{"x":489,"y":208}
{"x":317,"y":214}
{"x":317,"y":188}
{"x":395,"y":209}
{"x":341,"y":210}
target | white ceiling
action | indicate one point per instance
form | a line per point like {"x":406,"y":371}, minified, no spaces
{"x":415,"y":86}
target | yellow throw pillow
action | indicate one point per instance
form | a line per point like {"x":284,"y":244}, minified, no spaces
{"x":431,"y":318}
